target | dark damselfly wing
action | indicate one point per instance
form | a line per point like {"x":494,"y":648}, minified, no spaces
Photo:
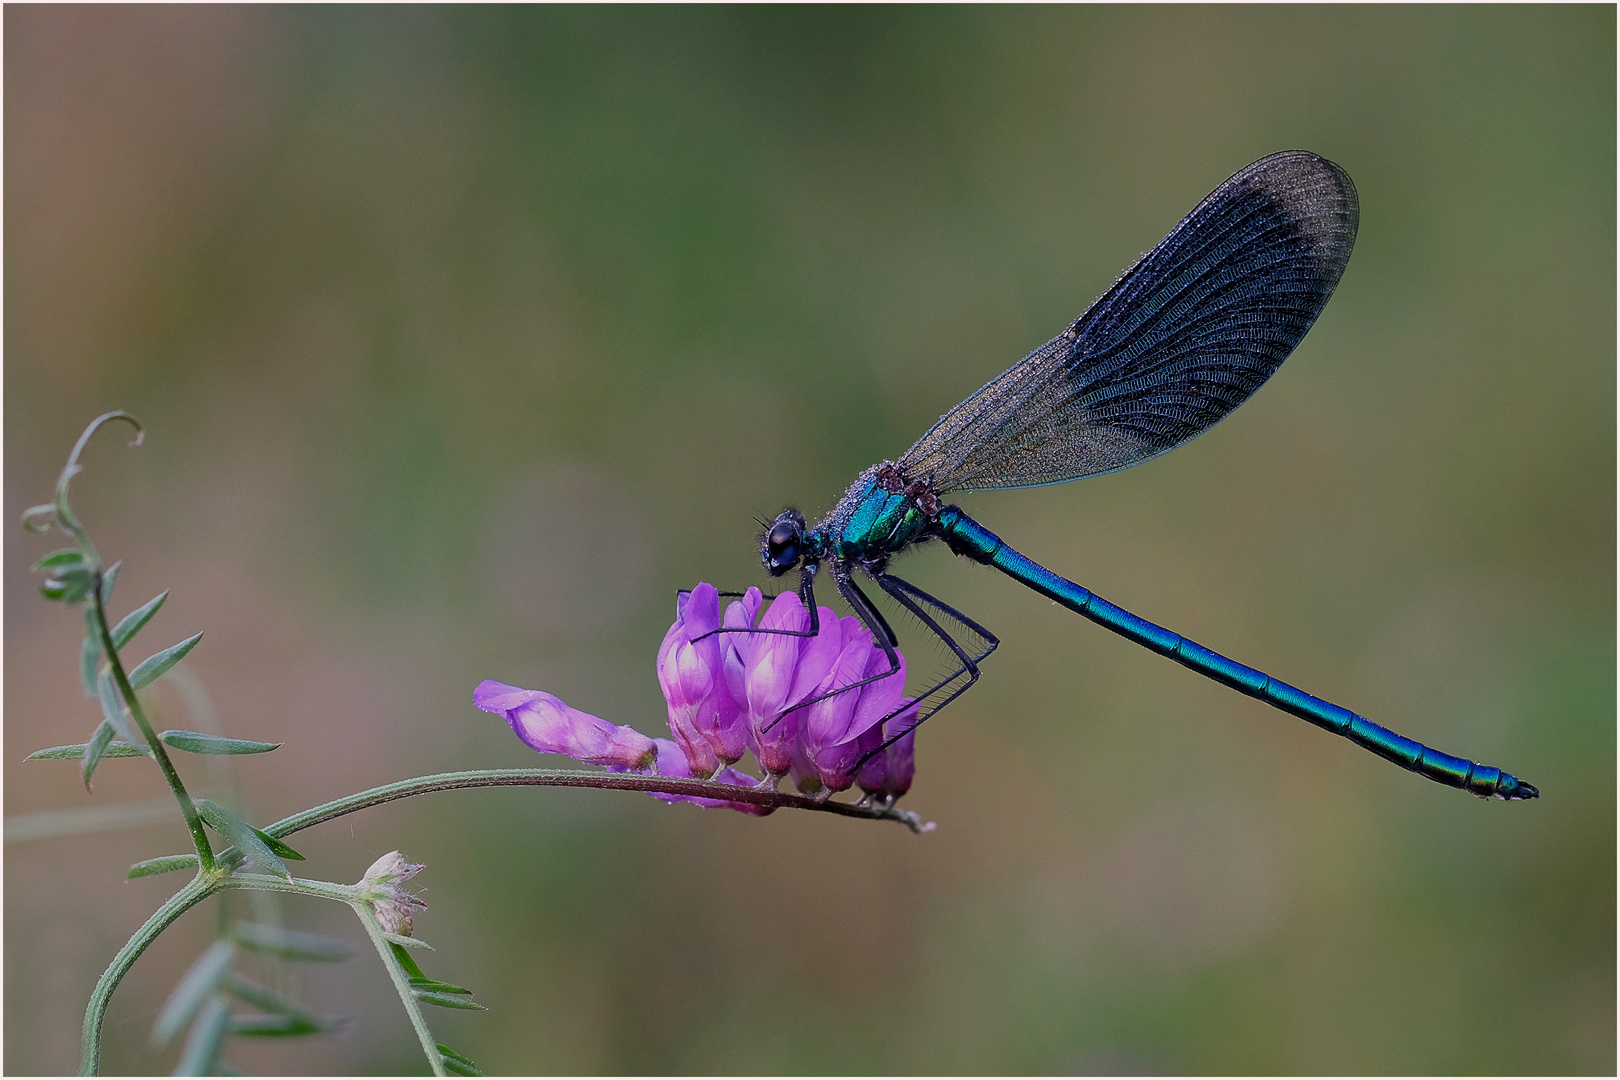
{"x":1180,"y":340}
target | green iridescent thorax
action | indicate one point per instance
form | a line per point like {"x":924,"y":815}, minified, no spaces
{"x":880,"y":523}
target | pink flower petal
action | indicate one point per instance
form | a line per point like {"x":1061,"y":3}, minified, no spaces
{"x":550,"y":726}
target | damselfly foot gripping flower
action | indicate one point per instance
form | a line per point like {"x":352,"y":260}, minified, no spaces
{"x":735,"y":692}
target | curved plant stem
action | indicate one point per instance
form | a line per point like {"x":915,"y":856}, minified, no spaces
{"x":477,"y":778}
{"x":65,"y":516}
{"x":209,"y":882}
{"x":198,"y":889}
{"x":325,"y":890}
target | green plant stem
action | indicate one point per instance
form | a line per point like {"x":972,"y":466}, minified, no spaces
{"x":217,"y":879}
{"x":65,"y":516}
{"x":69,"y":521}
{"x":402,"y":986}
{"x":325,"y":890}
{"x":477,"y":778}
{"x":198,"y":889}
{"x":199,"y":838}
{"x":350,"y":894}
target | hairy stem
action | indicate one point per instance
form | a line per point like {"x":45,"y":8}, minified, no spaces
{"x":198,"y":889}
{"x":477,"y":778}
{"x":210,"y":882}
{"x":325,"y":890}
{"x":402,"y":985}
{"x":199,"y":839}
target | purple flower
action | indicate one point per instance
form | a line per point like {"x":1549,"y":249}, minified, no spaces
{"x":887,"y":775}
{"x":771,"y":669}
{"x":672,"y":762}
{"x":841,"y":728}
{"x":728,"y":693}
{"x":551,"y":727}
{"x":704,"y":716}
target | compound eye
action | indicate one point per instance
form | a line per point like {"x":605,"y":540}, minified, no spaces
{"x":784,"y":549}
{"x":780,"y":548}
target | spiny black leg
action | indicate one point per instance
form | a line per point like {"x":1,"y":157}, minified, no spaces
{"x":891,"y":740}
{"x":989,"y":640}
{"x":807,"y":596}
{"x":970,"y":665}
{"x":870,"y":618}
{"x":904,"y":593}
{"x":764,"y":596}
{"x":879,"y":622}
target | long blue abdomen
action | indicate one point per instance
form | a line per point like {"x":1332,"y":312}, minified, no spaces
{"x":967,"y":537}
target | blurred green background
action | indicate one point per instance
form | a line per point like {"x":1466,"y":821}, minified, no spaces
{"x":464,"y":337}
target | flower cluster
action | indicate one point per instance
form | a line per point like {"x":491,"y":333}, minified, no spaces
{"x":735,"y":692}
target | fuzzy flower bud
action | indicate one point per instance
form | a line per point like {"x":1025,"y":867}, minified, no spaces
{"x":383,"y":888}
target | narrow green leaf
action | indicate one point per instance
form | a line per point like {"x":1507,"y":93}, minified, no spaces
{"x":200,"y":980}
{"x":290,"y":944}
{"x":131,"y":624}
{"x":156,"y":664}
{"x":437,"y":987}
{"x":93,"y":751}
{"x":89,"y":652}
{"x":447,"y":1001}
{"x":279,"y":847}
{"x":408,"y":962}
{"x":197,"y":742}
{"x":59,"y":558}
{"x":76,"y":751}
{"x":270,"y":1027}
{"x":284,"y":1017}
{"x":162,"y":865}
{"x":259,"y":996}
{"x":207,"y":1039}
{"x":109,"y":577}
{"x":458,"y":1063}
{"x":113,"y":709}
{"x":407,"y":942}
{"x":242,"y":835}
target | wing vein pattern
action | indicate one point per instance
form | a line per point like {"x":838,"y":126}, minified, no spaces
{"x":1183,"y":337}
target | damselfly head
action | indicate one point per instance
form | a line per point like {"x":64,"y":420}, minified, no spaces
{"x":782,"y":546}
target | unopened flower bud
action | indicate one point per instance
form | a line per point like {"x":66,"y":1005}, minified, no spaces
{"x":887,"y":775}
{"x":550,"y":726}
{"x":383,"y":888}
